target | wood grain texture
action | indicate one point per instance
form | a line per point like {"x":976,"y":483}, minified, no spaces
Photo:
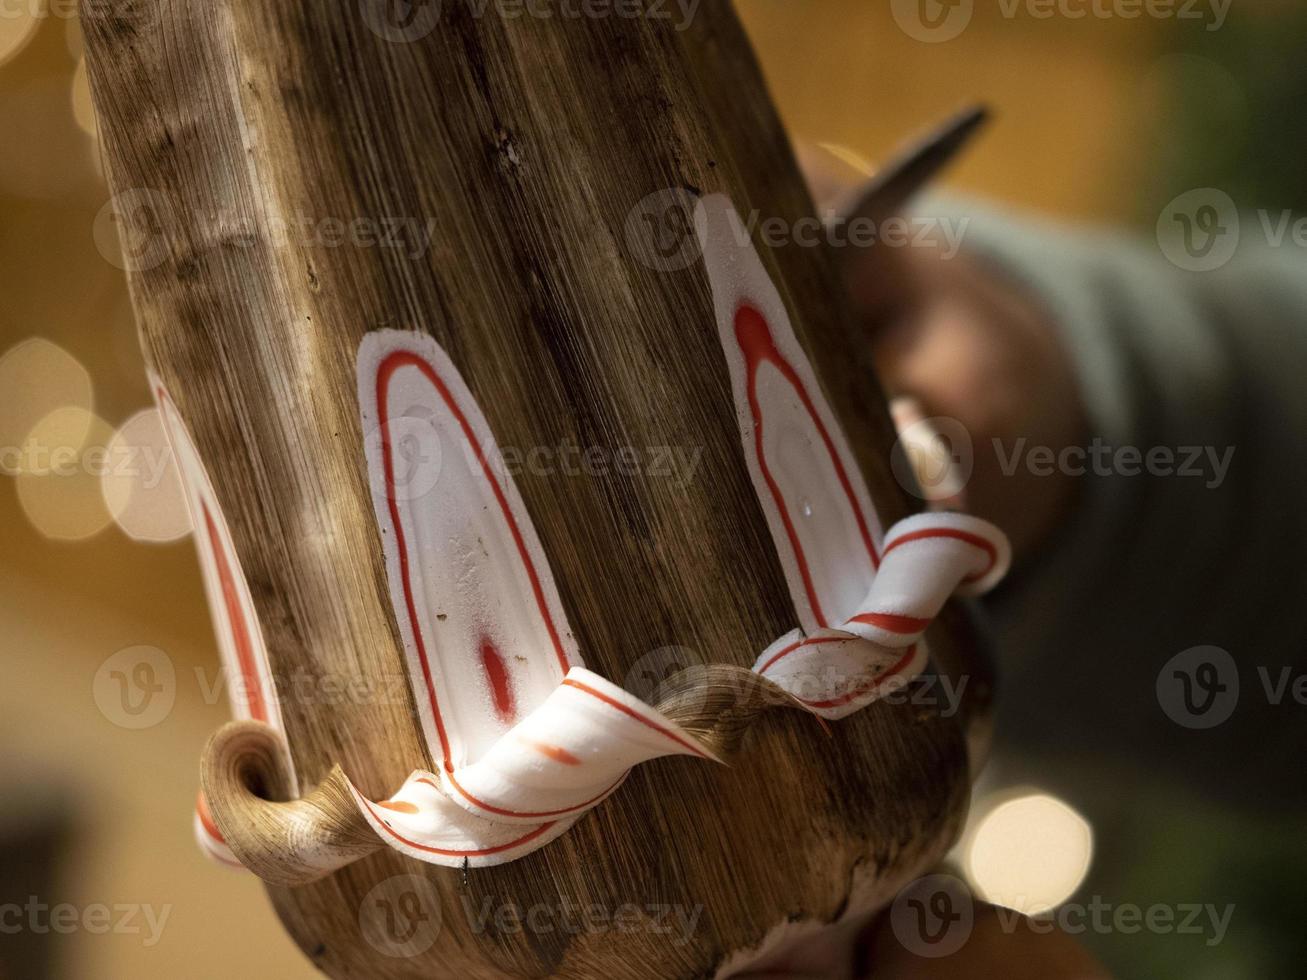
{"x":525,"y":142}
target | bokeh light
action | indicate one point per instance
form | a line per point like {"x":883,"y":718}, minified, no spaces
{"x":59,"y":436}
{"x":1028,"y":852}
{"x":73,"y":37}
{"x":81,"y":95}
{"x":36,"y":378}
{"x":59,"y":483}
{"x":18,"y":24}
{"x":141,"y":488}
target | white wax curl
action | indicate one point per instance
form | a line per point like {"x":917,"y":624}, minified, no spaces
{"x":863,"y":599}
{"x":528,"y":739}
{"x":927,"y":559}
{"x":423,"y":822}
{"x":568,"y":754}
{"x":562,"y":760}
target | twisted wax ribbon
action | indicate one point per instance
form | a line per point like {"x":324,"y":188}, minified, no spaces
{"x":528,"y":740}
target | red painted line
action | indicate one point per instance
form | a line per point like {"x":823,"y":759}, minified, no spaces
{"x":254,"y":697}
{"x":444,"y":852}
{"x":975,"y":540}
{"x":889,"y":672}
{"x":905,"y":625}
{"x":385,"y":371}
{"x":542,"y":815}
{"x":613,"y":702}
{"x":206,"y":819}
{"x":758,"y":346}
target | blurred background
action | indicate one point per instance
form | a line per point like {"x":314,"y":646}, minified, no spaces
{"x":1101,"y":120}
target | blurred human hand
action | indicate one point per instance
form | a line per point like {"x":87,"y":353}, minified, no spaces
{"x":997,"y":947}
{"x":992,"y":951}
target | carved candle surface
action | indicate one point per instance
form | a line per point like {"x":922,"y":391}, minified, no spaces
{"x":525,"y":738}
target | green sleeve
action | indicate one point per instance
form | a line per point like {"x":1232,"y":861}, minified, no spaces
{"x":1210,"y":368}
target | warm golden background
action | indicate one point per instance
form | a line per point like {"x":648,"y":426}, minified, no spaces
{"x":1099,"y":120}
